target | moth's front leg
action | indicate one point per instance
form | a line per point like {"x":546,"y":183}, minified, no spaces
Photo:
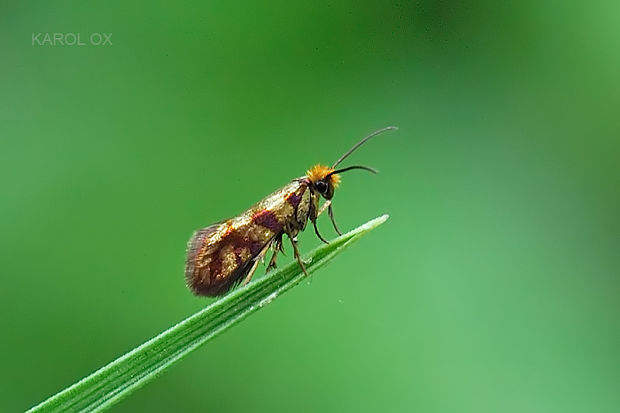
{"x":314,"y":215}
{"x":326,"y":205}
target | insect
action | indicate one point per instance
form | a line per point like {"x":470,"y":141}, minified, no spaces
{"x":228,"y":252}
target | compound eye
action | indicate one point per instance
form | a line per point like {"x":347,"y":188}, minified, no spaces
{"x":321,"y":186}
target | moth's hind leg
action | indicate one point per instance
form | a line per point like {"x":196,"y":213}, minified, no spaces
{"x":250,"y":273}
{"x":260,"y":257}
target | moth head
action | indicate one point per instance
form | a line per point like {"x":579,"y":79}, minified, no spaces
{"x":324,"y":180}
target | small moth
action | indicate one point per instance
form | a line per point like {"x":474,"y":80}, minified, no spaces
{"x":221,"y":255}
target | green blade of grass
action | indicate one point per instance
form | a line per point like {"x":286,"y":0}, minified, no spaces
{"x":126,"y":374}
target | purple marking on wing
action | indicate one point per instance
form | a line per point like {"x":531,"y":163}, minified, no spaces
{"x":267,"y":219}
{"x":293,"y":199}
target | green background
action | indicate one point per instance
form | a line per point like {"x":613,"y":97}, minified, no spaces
{"x":493,"y":287}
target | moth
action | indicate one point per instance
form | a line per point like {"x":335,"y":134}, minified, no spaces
{"x":228,"y":252}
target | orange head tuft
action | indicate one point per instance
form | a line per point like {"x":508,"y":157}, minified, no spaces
{"x":319,"y":172}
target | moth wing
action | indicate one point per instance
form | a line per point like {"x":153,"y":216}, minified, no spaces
{"x":194,"y":246}
{"x":220,"y":255}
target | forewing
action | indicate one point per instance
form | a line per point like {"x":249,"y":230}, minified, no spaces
{"x":220,"y":255}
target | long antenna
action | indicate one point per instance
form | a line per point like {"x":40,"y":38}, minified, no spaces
{"x":348,"y":168}
{"x":363,"y":141}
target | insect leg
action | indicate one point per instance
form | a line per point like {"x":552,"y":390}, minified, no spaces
{"x":272,"y":261}
{"x":260,"y":257}
{"x":316,"y":230}
{"x":277,"y":247}
{"x":324,"y":207}
{"x":330,"y":211}
{"x":297,"y":256}
{"x":313,"y":217}
{"x":250,"y":273}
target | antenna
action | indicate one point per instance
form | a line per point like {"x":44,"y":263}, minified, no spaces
{"x":363,"y":141}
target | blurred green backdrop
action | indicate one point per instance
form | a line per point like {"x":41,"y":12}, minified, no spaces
{"x":494,"y":286}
